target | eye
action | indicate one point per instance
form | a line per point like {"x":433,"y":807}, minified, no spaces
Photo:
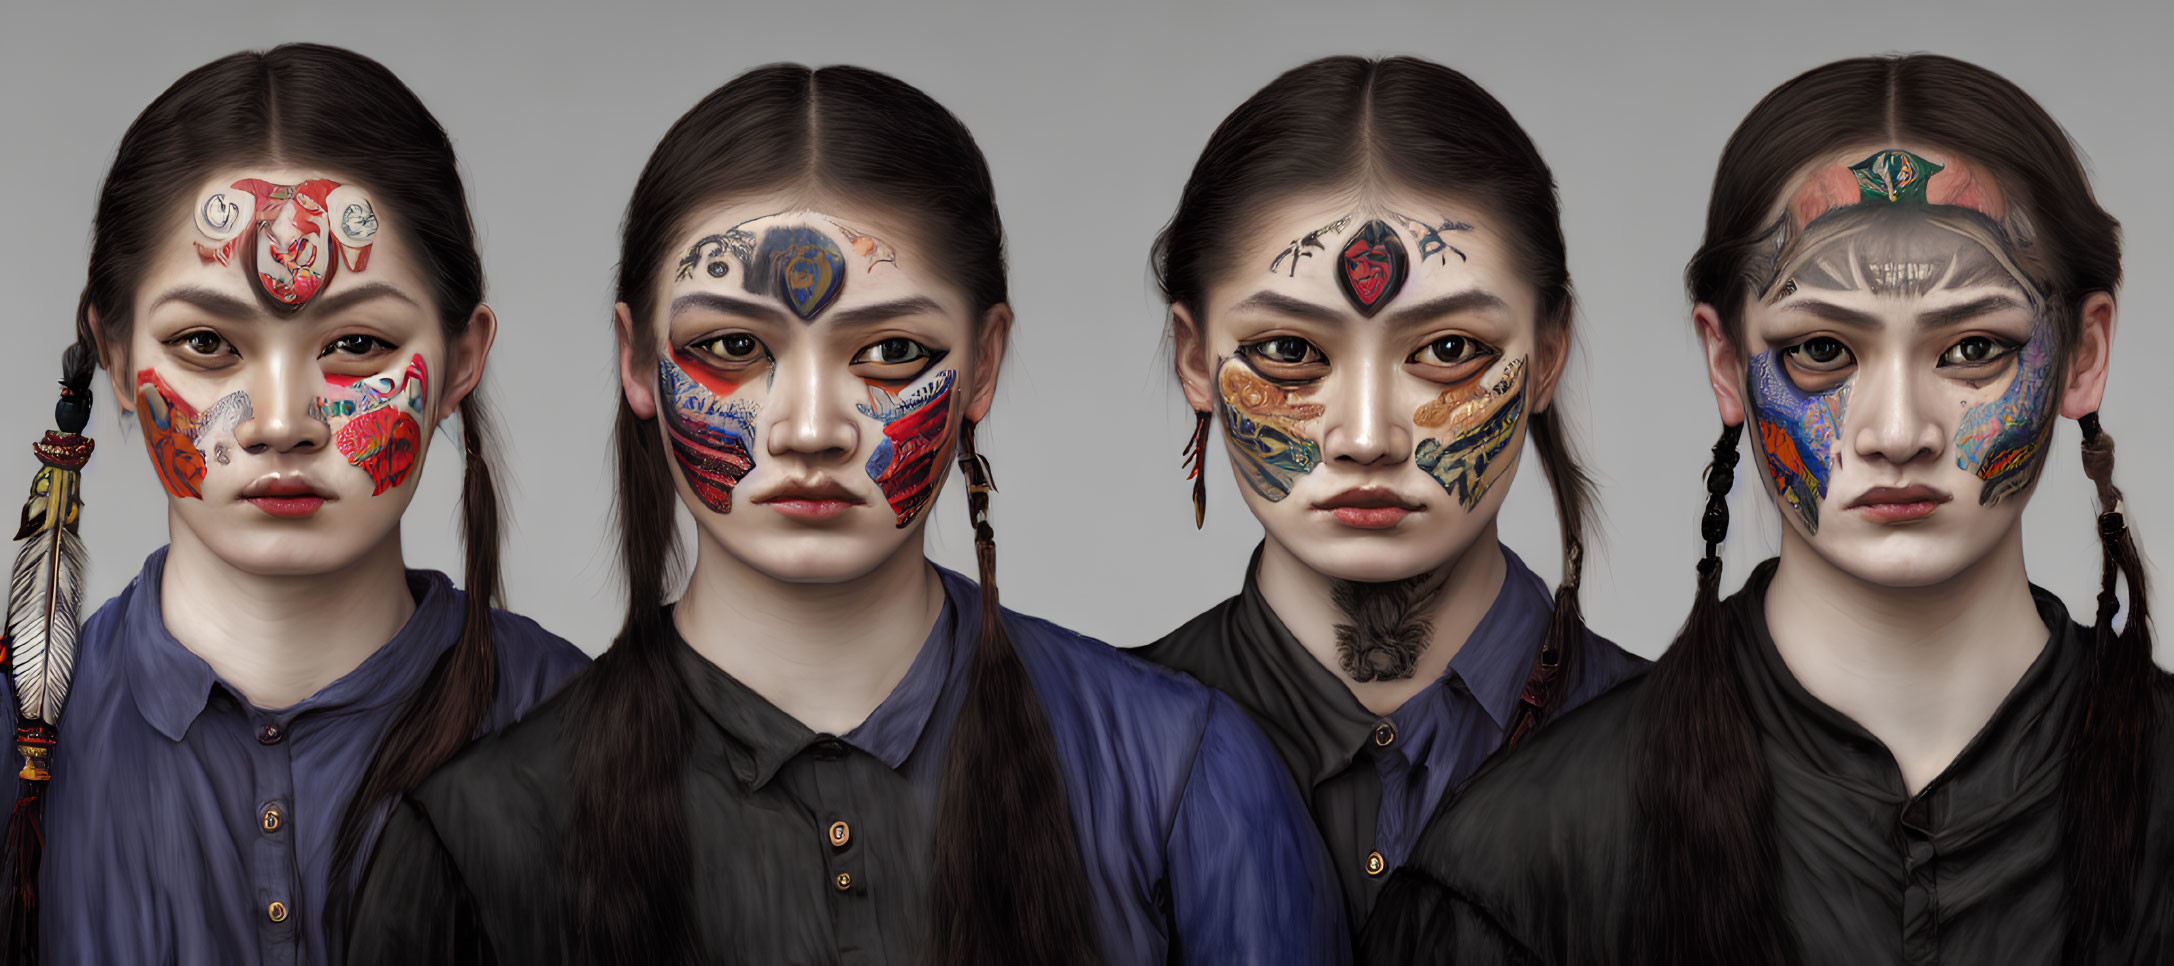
{"x":732,"y":348}
{"x":1820,"y":354}
{"x":356,"y":344}
{"x":1286,"y":358}
{"x":202,"y":342}
{"x":896,"y":359}
{"x":1975,"y":350}
{"x":1452,"y":351}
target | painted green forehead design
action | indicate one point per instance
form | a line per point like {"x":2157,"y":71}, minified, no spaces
{"x":1895,"y":176}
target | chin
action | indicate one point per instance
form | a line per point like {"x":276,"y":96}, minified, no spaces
{"x":1901,"y":563}
{"x":814,"y":557}
{"x":257,"y":544}
{"x":1375,"y":556}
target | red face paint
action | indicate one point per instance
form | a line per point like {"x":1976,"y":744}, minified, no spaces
{"x":169,"y":433}
{"x":374,"y":423}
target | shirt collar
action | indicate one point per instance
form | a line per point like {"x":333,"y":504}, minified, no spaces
{"x":765,"y":737}
{"x":171,"y":684}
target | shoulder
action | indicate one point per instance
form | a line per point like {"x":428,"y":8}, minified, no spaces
{"x":1603,"y":664}
{"x":1103,"y":681}
{"x":532,"y":662}
{"x":1193,"y":643}
{"x":515,"y":778}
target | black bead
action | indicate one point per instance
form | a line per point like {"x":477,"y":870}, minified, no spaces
{"x":1715,"y":525}
{"x":1719,"y":480}
{"x":72,"y":413}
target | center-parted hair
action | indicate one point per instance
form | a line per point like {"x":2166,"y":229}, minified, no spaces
{"x":1400,"y":123}
{"x":1708,"y":855}
{"x":1008,"y":865}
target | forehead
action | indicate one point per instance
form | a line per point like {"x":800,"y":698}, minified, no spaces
{"x":1299,"y":249}
{"x":809,"y":262}
{"x":188,"y":251}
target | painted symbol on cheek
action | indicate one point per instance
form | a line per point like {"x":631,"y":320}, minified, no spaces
{"x":2004,"y":441}
{"x":180,"y":439}
{"x":804,"y":267}
{"x":373,"y":423}
{"x":1797,"y":434}
{"x":1372,"y":267}
{"x":1261,"y":425}
{"x":916,"y":433}
{"x":1480,"y":422}
{"x":712,"y":437}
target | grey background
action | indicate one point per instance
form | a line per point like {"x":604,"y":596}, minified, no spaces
{"x":1091,"y":115}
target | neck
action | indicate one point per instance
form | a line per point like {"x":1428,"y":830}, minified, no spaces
{"x":1304,"y":599}
{"x":1921,"y":668}
{"x":825,"y":653}
{"x":279,"y":638}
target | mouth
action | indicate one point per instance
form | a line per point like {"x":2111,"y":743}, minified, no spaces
{"x":817,"y":500}
{"x":1369,"y":508}
{"x":1899,"y":504}
{"x":288,"y":498}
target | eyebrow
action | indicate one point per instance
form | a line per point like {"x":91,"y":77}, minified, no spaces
{"x":728,"y":305}
{"x":217,"y":303}
{"x":1286,"y":305}
{"x":329,"y":304}
{"x":884,"y":311}
{"x":1447,"y":305}
{"x":1943,"y":318}
{"x":1833,"y":313}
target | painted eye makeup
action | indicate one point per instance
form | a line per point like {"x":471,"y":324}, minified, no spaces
{"x":1818,"y":364}
{"x":895,"y":360}
{"x":1452,"y":358}
{"x":1976,"y":351}
{"x":1286,"y":359}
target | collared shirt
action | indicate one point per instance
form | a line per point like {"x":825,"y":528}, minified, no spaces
{"x":184,"y":825}
{"x":1535,"y":862}
{"x":816,"y":848}
{"x":1373,"y":780}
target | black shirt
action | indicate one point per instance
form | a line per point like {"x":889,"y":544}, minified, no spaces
{"x":1534,"y":862}
{"x":1370,"y":780}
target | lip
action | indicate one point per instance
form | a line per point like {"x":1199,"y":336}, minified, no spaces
{"x":814,"y":500}
{"x":1899,"y":504}
{"x":286,"y":497}
{"x":1369,"y":508}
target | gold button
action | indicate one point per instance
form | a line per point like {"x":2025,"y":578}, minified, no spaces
{"x":271,"y":818}
{"x":270,"y":735}
{"x":278,"y":912}
{"x":1374,"y":863}
{"x":844,"y":881}
{"x":1384,"y":733}
{"x":840,"y":834}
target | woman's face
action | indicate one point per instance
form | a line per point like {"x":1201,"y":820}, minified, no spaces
{"x":1373,"y":369}
{"x":1899,"y":371}
{"x":809,"y":373}
{"x":287,"y":369}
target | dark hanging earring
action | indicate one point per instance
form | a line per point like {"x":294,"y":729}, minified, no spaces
{"x":1196,"y":455}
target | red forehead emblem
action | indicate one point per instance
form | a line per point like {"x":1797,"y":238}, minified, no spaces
{"x":1372,"y":267}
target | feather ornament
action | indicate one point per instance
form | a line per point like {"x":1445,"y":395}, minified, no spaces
{"x":46,"y":593}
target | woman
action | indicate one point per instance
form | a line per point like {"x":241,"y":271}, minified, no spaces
{"x":285,"y":292}
{"x":1367,"y":282}
{"x":1888,"y":746}
{"x":829,"y":749}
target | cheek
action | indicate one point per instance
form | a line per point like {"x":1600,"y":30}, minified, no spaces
{"x":712,"y":437}
{"x":917,"y":432}
{"x":1797,"y":433}
{"x":1264,"y":427}
{"x":169,"y":435}
{"x":375,"y":424}
{"x":2003,"y":442}
{"x":1468,"y":428}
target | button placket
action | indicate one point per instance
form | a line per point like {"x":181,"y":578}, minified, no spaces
{"x":273,"y":866}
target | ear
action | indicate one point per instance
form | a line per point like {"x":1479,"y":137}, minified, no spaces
{"x":1191,"y":344}
{"x":641,"y":392}
{"x":989,"y":347}
{"x":115,"y":362}
{"x":1724,"y":364}
{"x":464,"y":358}
{"x":2093,"y":354}
{"x":1554,"y":357}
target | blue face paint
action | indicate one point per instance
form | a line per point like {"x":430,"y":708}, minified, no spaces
{"x":1797,"y":434}
{"x":2004,"y":441}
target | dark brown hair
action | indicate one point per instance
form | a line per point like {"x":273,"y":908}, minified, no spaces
{"x":1709,"y":855}
{"x":867,"y":140}
{"x":1396,"y":123}
{"x":318,"y":107}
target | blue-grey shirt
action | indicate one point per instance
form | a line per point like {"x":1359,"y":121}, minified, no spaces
{"x":184,"y":825}
{"x":818,"y":848}
{"x":1373,"y":780}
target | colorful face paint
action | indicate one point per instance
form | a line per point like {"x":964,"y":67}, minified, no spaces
{"x":1479,"y":421}
{"x":180,"y":439}
{"x":869,"y":247}
{"x":293,"y":225}
{"x":1372,"y":267}
{"x":800,"y":265}
{"x":712,"y":437}
{"x":1429,"y":237}
{"x":2004,"y":441}
{"x":916,"y":433}
{"x":1302,"y":247}
{"x":1261,"y":425}
{"x":374,"y":424}
{"x":1797,"y":433}
{"x":709,"y":253}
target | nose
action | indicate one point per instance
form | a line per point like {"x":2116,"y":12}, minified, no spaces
{"x":282,"y":403}
{"x":809,"y":411}
{"x":1364,"y":426}
{"x":1891,"y":418}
